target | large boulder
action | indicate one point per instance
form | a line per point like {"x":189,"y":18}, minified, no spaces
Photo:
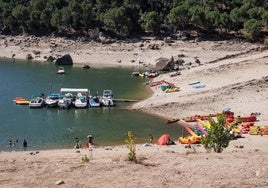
{"x":64,"y":60}
{"x":29,"y":56}
{"x":164,"y":64}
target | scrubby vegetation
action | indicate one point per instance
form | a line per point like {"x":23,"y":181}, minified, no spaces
{"x":85,"y":159}
{"x":125,"y":18}
{"x":219,"y":135}
{"x":131,"y":145}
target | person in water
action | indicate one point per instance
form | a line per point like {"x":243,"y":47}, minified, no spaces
{"x":11,"y":143}
{"x":25,"y":144}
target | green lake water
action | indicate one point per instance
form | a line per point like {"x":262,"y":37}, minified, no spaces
{"x":48,"y":128}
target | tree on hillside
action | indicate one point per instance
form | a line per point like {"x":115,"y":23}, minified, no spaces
{"x":152,"y":22}
{"x":225,"y":22}
{"x":178,"y":16}
{"x":256,"y":13}
{"x":21,"y":15}
{"x":265,"y":18}
{"x":34,"y":22}
{"x":252,"y":28}
{"x":117,"y":21}
{"x":127,"y":17}
{"x":213,"y":19}
{"x":55,"y":21}
{"x":65,"y":18}
{"x":239,"y":16}
{"x":88,"y":15}
{"x":197,"y":16}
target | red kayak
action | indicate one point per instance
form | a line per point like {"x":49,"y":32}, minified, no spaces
{"x":245,"y":119}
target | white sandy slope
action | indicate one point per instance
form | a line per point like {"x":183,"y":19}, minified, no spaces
{"x":240,"y":83}
{"x":242,"y":164}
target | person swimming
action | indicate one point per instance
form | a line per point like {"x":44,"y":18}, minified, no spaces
{"x":11,"y":143}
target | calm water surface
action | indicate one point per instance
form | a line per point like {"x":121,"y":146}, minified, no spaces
{"x":47,"y":128}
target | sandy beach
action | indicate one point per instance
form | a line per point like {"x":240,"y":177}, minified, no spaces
{"x":235,"y":75}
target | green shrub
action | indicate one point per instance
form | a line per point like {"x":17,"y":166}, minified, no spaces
{"x":219,"y":135}
{"x":130,"y":141}
{"x":85,"y":159}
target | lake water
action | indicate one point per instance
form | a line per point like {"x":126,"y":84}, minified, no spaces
{"x":48,"y":128}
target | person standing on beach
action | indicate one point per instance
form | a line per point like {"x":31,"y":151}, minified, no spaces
{"x":151,"y":138}
{"x":259,"y":131}
{"x":77,"y":143}
{"x":90,"y":143}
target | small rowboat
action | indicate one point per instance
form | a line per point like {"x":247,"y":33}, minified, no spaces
{"x":172,"y":121}
{"x":17,"y":98}
{"x":175,"y":74}
{"x":61,"y":70}
{"x":21,"y":101}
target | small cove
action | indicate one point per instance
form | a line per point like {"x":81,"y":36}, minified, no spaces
{"x":57,"y":128}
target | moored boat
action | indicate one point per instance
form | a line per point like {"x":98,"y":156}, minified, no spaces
{"x":61,"y":70}
{"x":52,"y":100}
{"x":21,"y":101}
{"x":94,"y":102}
{"x":36,"y":102}
{"x":107,"y":98}
{"x":170,"y":121}
{"x":80,"y":101}
{"x":65,"y":102}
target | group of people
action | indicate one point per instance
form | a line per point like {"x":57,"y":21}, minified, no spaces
{"x":89,"y":143}
{"x":24,"y":143}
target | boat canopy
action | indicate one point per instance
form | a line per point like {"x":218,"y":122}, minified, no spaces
{"x":76,"y":90}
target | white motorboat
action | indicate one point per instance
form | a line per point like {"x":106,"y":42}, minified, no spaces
{"x":81,"y":101}
{"x":94,"y":102}
{"x":37,"y":102}
{"x":61,"y":70}
{"x":52,"y":100}
{"x":66,"y":101}
{"x":107,"y":98}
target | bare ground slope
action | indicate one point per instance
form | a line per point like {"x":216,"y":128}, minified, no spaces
{"x":240,"y":83}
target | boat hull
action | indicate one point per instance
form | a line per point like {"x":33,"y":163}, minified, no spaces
{"x":36,"y":103}
{"x":65,"y":103}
